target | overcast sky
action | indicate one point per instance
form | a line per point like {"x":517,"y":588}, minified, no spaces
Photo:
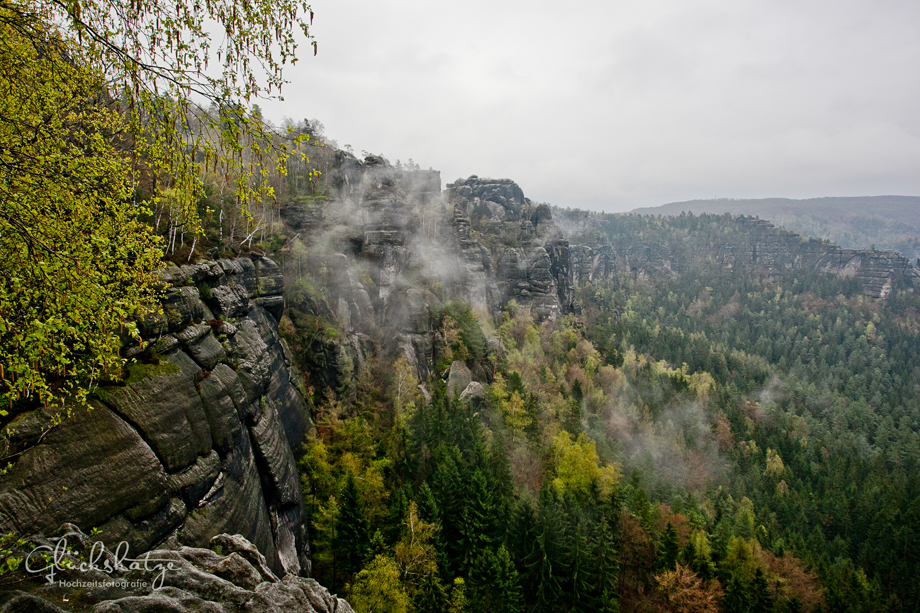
{"x":612,"y":105}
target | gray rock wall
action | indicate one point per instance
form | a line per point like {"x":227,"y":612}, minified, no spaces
{"x":193,"y":446}
{"x":533,"y":265}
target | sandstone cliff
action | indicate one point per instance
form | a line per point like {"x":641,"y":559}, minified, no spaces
{"x":197,"y":442}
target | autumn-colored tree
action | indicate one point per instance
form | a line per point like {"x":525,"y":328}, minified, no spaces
{"x":637,"y":559}
{"x":684,"y":592}
{"x":795,"y":582}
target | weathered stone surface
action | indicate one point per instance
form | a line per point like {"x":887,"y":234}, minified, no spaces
{"x":273,"y":452}
{"x":236,"y":544}
{"x":152,"y":323}
{"x":250,"y":353}
{"x":230,"y":300}
{"x":168,"y":413}
{"x":22,"y":602}
{"x":302,"y":218}
{"x":233,"y":567}
{"x":182,"y":306}
{"x":94,"y":466}
{"x":408,"y":312}
{"x":235,"y":503}
{"x":223,"y":399}
{"x":193,"y":483}
{"x":144,"y":533}
{"x":532,"y":263}
{"x":192,"y":333}
{"x":264,"y":371}
{"x":169,"y":458}
{"x":473,"y":390}
{"x":272,"y":304}
{"x":206,"y":351}
{"x":234,"y":389}
{"x":459,"y":378}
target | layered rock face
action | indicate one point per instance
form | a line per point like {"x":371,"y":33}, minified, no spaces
{"x":231,"y":576}
{"x":362,"y":246}
{"x":531,"y":262}
{"x":775,"y":248}
{"x":198,"y":441}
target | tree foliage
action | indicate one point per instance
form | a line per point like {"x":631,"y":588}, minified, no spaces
{"x":75,"y":259}
{"x":101,"y":128}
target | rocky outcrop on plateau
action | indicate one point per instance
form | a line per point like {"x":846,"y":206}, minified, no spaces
{"x":196,"y":442}
{"x":776,"y":248}
{"x":524,"y":258}
{"x":753,"y":244}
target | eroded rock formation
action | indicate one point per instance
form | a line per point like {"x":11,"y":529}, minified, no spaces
{"x":197,"y":442}
{"x":529,"y":262}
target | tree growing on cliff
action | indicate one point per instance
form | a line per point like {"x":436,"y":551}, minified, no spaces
{"x":101,"y":127}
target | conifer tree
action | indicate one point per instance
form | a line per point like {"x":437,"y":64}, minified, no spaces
{"x":761,"y":599}
{"x":605,"y":566}
{"x":431,"y":597}
{"x":522,"y":532}
{"x":698,"y":555}
{"x":427,"y":506}
{"x":494,"y":584}
{"x":736,"y":597}
{"x":479,"y":520}
{"x":396,"y":511}
{"x":450,"y":495}
{"x":503,"y":482}
{"x":668,"y":548}
{"x":578,"y":580}
{"x":352,"y":539}
{"x":546,"y":564}
{"x":572,"y":418}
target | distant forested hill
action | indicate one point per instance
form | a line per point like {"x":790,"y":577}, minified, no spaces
{"x":888,"y":222}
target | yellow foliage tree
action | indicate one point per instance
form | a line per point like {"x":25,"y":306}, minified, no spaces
{"x":377,"y":588}
{"x":576,"y":466}
{"x":98,"y":99}
{"x":415,"y":553}
{"x":75,"y":260}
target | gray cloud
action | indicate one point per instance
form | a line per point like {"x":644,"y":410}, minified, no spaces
{"x":615,"y":105}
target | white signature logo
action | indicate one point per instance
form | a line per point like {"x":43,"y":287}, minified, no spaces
{"x":58,"y":558}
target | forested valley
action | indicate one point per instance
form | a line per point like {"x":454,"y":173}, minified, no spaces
{"x":721,"y":438}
